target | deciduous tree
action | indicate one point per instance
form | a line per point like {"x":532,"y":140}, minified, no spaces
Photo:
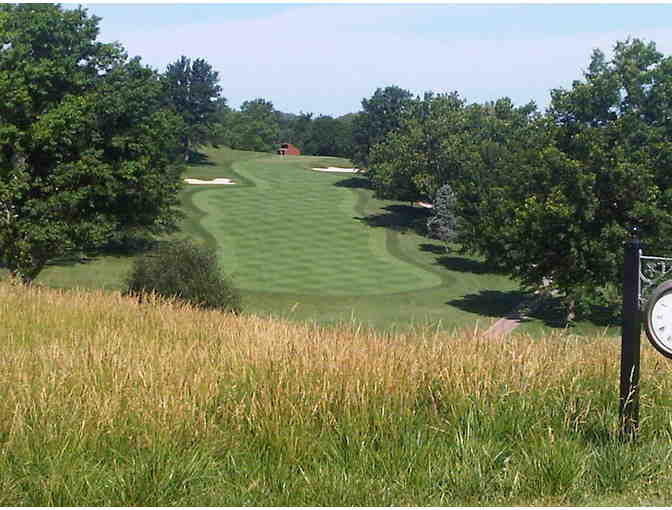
{"x":86,"y":146}
{"x":381,"y":114}
{"x":413,"y":161}
{"x":256,"y":126}
{"x":296,"y":129}
{"x":193,"y":91}
{"x":597,"y":166}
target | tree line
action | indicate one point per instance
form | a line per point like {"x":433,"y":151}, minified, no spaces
{"x":194,"y":93}
{"x":547,"y":197}
{"x":258,"y":126}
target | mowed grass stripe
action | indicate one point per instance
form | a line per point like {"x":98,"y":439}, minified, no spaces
{"x":294,"y":231}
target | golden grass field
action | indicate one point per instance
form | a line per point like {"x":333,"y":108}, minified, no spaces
{"x":91,"y":380}
{"x":168,"y":361}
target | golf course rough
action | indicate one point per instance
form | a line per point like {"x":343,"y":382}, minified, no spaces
{"x":296,"y":231}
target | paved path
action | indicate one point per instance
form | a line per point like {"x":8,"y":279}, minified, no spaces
{"x":512,"y":320}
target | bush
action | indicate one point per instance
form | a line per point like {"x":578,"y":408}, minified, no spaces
{"x":186,"y":271}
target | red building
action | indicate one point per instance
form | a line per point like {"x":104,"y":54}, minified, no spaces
{"x":287,"y":149}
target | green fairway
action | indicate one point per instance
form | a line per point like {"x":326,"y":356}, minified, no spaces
{"x":314,"y":245}
{"x":317,"y":246}
{"x":295,"y":232}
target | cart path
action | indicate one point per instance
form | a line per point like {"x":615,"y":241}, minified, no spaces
{"x":512,"y":320}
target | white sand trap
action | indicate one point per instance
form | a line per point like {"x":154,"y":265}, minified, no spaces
{"x":218,"y":180}
{"x":336,"y":169}
{"x":425,"y":205}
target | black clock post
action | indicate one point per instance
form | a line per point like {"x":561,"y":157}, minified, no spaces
{"x":631,"y":331}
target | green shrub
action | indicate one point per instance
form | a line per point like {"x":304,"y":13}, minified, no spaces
{"x":186,"y":271}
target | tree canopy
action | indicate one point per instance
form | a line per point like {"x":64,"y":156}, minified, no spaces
{"x":193,"y":91}
{"x":255,"y":127}
{"x":86,"y":144}
{"x":296,"y":129}
{"x":605,"y":171}
{"x":414,"y":160}
{"x":329,"y":136}
{"x":323,"y":135}
{"x":593,"y":168}
{"x":549,"y":198}
{"x":381,"y":114}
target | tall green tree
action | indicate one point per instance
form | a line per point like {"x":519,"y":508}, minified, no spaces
{"x":220,"y":133}
{"x":256,"y":126}
{"x":346,"y":140}
{"x":413,"y":161}
{"x":381,"y":114}
{"x":295,"y":129}
{"x":193,"y":91}
{"x":567,"y":196}
{"x":441,"y":139}
{"x":87,"y":149}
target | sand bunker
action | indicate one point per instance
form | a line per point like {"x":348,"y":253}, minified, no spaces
{"x":335,"y":169}
{"x":218,"y":180}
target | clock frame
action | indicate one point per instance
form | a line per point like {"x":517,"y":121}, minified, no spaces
{"x":658,"y":318}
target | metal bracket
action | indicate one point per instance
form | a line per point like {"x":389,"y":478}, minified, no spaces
{"x":652,"y":272}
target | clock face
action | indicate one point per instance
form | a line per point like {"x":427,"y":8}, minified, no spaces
{"x":661,"y":321}
{"x":658,"y":315}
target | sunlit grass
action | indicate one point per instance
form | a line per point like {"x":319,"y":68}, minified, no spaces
{"x":314,"y":246}
{"x":104,"y":401}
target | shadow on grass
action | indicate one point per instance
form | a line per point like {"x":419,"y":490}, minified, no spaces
{"x":490,"y":303}
{"x":553,"y":313}
{"x":437,"y":249}
{"x":355,"y":182}
{"x":454,"y":261}
{"x":199,"y":159}
{"x":399,"y":218}
{"x":129,"y":247}
{"x":493,"y":303}
{"x":465,"y":265}
{"x":71,"y":259}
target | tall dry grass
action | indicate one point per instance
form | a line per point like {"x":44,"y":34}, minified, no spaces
{"x":107,"y":401}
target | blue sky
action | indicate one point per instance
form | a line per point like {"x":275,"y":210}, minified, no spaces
{"x":324,"y":58}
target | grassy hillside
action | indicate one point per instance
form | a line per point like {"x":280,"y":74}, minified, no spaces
{"x":107,"y":402}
